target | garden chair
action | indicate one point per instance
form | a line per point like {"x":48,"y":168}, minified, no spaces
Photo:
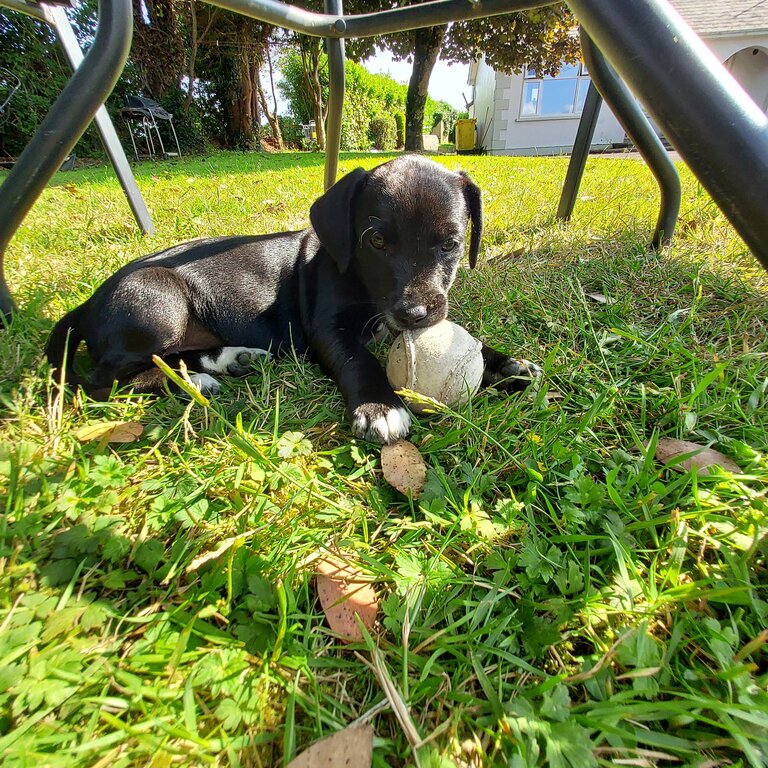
{"x":146,"y":113}
{"x":716,"y":128}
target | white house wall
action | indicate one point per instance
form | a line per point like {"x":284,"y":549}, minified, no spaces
{"x":726,"y":46}
{"x":750,"y":69}
{"x":483,"y":110}
{"x":502,"y":131}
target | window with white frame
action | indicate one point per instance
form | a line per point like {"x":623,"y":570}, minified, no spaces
{"x":558,"y":96}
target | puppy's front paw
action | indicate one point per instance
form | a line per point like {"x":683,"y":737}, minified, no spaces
{"x":244,"y":361}
{"x":234,"y":361}
{"x":379,"y":423}
{"x":509,"y":374}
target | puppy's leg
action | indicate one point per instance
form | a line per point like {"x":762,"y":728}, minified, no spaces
{"x":229,"y":361}
{"x":145,"y":313}
{"x":507,"y":373}
{"x":375,"y":411}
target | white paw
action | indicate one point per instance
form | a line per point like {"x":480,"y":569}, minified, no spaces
{"x":380,"y":423}
{"x":205,"y":383}
{"x":234,"y":361}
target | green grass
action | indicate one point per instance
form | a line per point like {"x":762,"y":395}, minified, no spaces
{"x":556,"y":597}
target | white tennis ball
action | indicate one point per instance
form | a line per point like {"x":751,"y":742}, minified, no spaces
{"x":443,"y":361}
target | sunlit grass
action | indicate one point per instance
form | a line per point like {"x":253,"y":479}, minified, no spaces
{"x":555,"y":597}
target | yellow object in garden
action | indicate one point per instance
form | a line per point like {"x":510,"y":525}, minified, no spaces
{"x":465,"y":134}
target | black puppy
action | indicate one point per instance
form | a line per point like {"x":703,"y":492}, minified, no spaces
{"x":384,"y":245}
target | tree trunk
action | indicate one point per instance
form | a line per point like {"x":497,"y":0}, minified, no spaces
{"x":274,"y":125}
{"x":194,"y":44}
{"x":426,"y":50}
{"x":157,"y":49}
{"x":310,"y":66}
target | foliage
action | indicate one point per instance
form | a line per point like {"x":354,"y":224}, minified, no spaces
{"x":187,"y":121}
{"x":29,"y":50}
{"x":158,"y":45}
{"x":24,"y":49}
{"x":555,"y":597}
{"x":383,"y":132}
{"x":367,"y":97}
{"x":355,"y":122}
{"x":541,"y":38}
{"x":452,"y":133}
{"x":400,"y":129}
{"x":293,"y":135}
{"x":292,"y":87}
{"x":442,"y":110}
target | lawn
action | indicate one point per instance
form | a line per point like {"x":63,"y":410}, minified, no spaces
{"x":557,"y":596}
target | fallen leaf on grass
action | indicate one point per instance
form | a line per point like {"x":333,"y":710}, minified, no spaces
{"x":669,"y":448}
{"x":349,"y":748}
{"x":600,"y":298}
{"x":403,"y":467}
{"x":110,"y":432}
{"x":344,"y":592}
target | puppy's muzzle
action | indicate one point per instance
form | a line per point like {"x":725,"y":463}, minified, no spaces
{"x":416,"y":313}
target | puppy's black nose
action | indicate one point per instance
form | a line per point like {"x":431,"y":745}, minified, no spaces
{"x":410,"y":315}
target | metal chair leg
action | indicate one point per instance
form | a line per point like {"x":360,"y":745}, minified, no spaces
{"x":106,"y":128}
{"x":706,"y":115}
{"x":65,"y":123}
{"x":639,"y":129}
{"x":336,"y":77}
{"x":579,"y":153}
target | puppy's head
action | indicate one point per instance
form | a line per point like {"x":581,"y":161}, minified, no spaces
{"x":402,"y":228}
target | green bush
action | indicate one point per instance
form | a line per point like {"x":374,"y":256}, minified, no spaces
{"x":186,"y":121}
{"x":400,"y":129}
{"x":383,"y":132}
{"x":368,"y":96}
{"x":355,"y":122}
{"x":435,"y":111}
{"x":290,"y":128}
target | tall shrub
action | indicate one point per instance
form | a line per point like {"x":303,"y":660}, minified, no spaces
{"x":399,"y":130}
{"x":383,"y":132}
{"x":367,"y":97}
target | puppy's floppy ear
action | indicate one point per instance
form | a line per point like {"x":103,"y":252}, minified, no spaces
{"x":332,"y":216}
{"x":475,"y":207}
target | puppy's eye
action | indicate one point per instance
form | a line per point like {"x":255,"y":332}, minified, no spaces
{"x":377,"y":241}
{"x":451,"y":244}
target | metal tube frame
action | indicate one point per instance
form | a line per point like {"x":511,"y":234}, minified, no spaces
{"x":336,"y":88}
{"x":378,"y":23}
{"x":580,"y":152}
{"x":57,"y":18}
{"x":703,"y":111}
{"x":66,"y":121}
{"x":640,"y":131}
{"x":606,"y":84}
{"x":705,"y":114}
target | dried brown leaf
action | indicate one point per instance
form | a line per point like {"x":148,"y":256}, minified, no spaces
{"x":403,"y":467}
{"x":349,"y":748}
{"x":344,"y":592}
{"x":669,"y":448}
{"x":110,"y":432}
